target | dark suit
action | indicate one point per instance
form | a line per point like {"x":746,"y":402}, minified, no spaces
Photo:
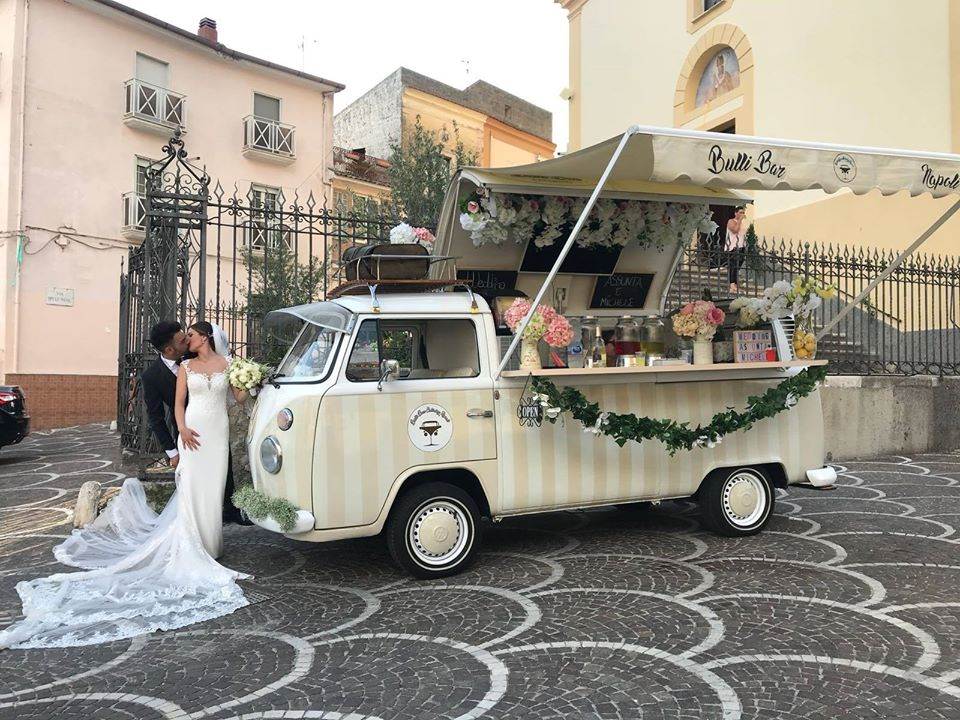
{"x":159,"y":395}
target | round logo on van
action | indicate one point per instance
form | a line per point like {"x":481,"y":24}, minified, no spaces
{"x":845,"y":167}
{"x":430,"y":427}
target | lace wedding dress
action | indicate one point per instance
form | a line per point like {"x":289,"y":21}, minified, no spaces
{"x":144,"y":572}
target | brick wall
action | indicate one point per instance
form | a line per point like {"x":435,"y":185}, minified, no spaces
{"x":65,"y":400}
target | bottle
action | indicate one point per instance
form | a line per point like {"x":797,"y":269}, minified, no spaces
{"x":575,"y":349}
{"x":598,"y":354}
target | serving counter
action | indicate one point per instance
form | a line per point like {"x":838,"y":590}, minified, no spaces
{"x":674,"y":373}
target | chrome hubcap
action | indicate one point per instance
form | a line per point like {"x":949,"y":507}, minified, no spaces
{"x":438,"y":532}
{"x":744,"y":499}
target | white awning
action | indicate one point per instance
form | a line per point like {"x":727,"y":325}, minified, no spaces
{"x":720,"y":161}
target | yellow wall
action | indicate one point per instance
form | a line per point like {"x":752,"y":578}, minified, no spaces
{"x":495,"y":143}
{"x":858,"y":72}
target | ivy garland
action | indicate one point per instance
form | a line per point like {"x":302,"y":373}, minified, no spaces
{"x":259,"y":506}
{"x":675,"y":435}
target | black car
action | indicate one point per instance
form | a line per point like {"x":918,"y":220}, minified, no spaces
{"x":14,"y":420}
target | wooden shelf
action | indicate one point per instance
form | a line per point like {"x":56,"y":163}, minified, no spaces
{"x":717,"y":370}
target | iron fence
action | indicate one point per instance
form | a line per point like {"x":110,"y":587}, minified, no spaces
{"x":907,"y":325}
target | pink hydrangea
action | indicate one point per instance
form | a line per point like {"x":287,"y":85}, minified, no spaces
{"x":559,"y":333}
{"x":516,"y":312}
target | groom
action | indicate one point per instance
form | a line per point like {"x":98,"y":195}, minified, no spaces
{"x":159,"y":382}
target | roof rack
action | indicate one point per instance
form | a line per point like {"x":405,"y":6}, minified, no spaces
{"x":361,"y":287}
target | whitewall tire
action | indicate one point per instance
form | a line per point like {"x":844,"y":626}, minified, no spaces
{"x":434,"y":530}
{"x":737,"y":501}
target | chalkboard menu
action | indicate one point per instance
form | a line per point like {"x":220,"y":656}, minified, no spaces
{"x":490,"y":283}
{"x":621,"y":291}
{"x":579,"y":261}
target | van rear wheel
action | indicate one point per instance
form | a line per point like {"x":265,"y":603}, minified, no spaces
{"x":736,"y":501}
{"x":434,"y":530}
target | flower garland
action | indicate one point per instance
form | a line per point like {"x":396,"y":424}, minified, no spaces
{"x":494,"y":218}
{"x":675,"y":435}
{"x":259,"y":506}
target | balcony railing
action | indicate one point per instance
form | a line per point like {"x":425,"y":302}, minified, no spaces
{"x":153,"y":107}
{"x":134,"y":215}
{"x":268,"y":138}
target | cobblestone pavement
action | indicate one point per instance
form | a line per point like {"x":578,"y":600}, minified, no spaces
{"x":848,"y":605}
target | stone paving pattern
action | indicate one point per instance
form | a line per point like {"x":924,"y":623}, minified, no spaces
{"x":848,"y":605}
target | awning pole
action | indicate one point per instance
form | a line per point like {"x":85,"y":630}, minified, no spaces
{"x":563,"y":253}
{"x":890,"y":270}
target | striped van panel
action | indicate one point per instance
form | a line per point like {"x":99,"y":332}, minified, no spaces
{"x":561,"y":464}
{"x":362,"y":446}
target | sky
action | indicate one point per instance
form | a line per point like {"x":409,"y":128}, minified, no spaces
{"x":518,"y":45}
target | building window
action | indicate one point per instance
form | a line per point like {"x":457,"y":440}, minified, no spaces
{"x":153,"y":71}
{"x":267,"y":231}
{"x":702,"y":12}
{"x":266,"y":107}
{"x":141,"y":178}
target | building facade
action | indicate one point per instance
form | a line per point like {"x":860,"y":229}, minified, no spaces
{"x":859,"y":72}
{"x":89,"y":93}
{"x":500,"y":128}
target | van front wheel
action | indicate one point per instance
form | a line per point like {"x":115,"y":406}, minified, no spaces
{"x":434,"y":530}
{"x":736,"y":501}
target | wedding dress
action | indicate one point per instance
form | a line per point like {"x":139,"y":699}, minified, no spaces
{"x":144,"y":572}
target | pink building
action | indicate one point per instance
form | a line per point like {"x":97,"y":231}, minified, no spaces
{"x":89,"y":92}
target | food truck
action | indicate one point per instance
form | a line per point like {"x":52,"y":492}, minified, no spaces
{"x":400,"y":407}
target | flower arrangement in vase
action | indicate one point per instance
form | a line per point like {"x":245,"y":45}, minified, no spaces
{"x":699,"y":320}
{"x":801,"y":298}
{"x":546,"y":324}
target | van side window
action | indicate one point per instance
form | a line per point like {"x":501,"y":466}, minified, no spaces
{"x":426,"y":349}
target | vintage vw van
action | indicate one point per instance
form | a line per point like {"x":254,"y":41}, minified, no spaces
{"x":395,"y":411}
{"x":385,"y":417}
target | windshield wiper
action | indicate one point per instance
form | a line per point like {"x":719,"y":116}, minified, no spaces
{"x":273,"y":377}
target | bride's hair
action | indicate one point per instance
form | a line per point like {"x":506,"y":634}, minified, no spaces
{"x":206,"y":329}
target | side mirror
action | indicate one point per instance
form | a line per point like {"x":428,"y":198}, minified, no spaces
{"x":389,"y":370}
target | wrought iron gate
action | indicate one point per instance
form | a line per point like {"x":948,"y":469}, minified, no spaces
{"x":164,"y":279}
{"x":265,"y":249}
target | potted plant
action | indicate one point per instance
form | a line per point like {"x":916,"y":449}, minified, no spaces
{"x":546,"y":324}
{"x":699,"y":320}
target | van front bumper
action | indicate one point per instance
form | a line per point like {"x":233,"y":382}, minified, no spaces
{"x":304,"y":522}
{"x":821,"y":477}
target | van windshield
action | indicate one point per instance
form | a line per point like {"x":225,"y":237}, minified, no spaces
{"x":310,"y":354}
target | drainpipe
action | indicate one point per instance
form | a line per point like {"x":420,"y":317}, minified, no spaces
{"x":13,"y":353}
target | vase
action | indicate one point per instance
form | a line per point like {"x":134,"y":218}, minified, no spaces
{"x":529,"y":354}
{"x":804,"y":339}
{"x":703,"y":352}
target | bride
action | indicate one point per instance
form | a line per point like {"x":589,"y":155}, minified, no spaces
{"x":146,"y":572}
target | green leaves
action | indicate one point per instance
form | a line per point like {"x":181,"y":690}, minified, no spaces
{"x":678,"y":436}
{"x":420,"y":168}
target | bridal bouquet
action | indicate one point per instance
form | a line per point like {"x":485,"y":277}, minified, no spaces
{"x":247,"y":374}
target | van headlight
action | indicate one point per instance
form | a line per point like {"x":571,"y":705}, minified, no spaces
{"x":271,"y":458}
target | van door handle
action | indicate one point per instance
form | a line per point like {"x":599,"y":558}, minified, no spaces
{"x":477,"y":412}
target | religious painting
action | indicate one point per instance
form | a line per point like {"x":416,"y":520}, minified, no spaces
{"x":720,"y":76}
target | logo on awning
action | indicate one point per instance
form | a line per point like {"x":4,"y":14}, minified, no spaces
{"x":845,"y":167}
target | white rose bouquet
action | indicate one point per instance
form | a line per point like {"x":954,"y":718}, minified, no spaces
{"x":247,"y":375}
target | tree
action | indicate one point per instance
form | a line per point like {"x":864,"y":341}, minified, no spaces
{"x":277,"y":280}
{"x":420,"y":168}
